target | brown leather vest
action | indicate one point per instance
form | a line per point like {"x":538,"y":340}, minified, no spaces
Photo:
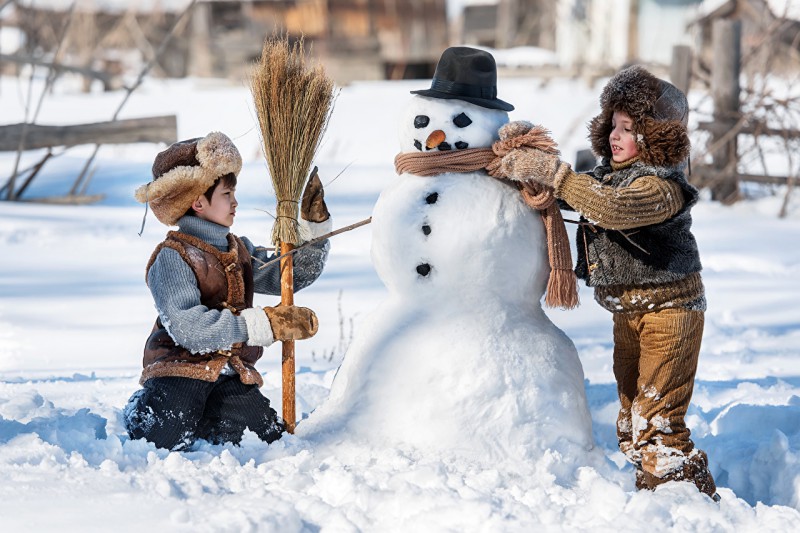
{"x":225,"y":281}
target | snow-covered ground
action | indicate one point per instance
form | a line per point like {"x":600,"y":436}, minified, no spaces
{"x":74,"y":313}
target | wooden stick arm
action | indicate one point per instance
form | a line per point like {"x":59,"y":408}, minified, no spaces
{"x":315,"y":241}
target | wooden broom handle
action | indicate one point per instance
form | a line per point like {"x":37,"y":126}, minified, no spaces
{"x":287,"y":361}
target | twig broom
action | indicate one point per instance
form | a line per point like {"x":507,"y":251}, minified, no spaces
{"x":293,"y":101}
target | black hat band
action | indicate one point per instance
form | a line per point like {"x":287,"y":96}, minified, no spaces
{"x":464,"y":89}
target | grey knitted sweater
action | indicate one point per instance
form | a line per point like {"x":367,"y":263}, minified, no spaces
{"x":177,"y":297}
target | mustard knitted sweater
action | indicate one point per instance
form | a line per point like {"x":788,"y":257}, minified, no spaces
{"x":634,"y":243}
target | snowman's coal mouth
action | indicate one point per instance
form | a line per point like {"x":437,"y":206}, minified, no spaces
{"x":443,"y":146}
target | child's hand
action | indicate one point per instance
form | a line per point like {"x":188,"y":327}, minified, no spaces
{"x":524,"y":164}
{"x":312,"y":207}
{"x":282,"y":323}
{"x":515,"y":128}
{"x":291,"y":323}
{"x":526,"y":152}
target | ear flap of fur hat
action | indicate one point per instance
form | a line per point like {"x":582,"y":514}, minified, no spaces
{"x":659,"y":112}
{"x":184,"y":171}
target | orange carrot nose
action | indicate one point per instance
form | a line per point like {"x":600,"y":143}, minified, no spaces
{"x":435,"y":139}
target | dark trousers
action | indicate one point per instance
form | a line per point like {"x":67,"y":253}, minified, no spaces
{"x":173,"y":412}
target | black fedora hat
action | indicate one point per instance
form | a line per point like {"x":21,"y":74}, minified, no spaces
{"x":467,"y":74}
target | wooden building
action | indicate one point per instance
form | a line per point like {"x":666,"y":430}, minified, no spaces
{"x":355,"y":39}
{"x":508,"y":23}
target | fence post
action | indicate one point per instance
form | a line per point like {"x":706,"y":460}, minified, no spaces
{"x":200,"y":60}
{"x":680,"y":71}
{"x":633,"y":31}
{"x":726,"y":45}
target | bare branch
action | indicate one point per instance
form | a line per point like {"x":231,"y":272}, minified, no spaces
{"x":11,"y":193}
{"x":129,"y":90}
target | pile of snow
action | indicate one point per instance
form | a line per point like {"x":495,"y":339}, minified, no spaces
{"x":74,"y":313}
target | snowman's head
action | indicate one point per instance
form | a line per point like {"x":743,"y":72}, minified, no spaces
{"x":431,"y":124}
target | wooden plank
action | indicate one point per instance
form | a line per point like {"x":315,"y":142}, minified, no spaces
{"x":751,"y":128}
{"x":709,"y":175}
{"x":67,"y":199}
{"x":762,"y":178}
{"x":162,"y":129}
{"x":105,"y":77}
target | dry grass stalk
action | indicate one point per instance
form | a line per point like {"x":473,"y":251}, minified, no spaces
{"x":293,"y":101}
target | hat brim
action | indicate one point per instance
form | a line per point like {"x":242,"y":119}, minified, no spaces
{"x":489,"y":104}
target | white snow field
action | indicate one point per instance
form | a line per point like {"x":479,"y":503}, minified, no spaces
{"x":75,"y":311}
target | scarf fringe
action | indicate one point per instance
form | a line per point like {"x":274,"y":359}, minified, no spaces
{"x":562,"y":289}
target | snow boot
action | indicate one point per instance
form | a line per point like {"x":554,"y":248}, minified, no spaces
{"x":695,"y":470}
{"x":641,"y":479}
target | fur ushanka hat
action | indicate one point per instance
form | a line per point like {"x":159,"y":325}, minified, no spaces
{"x":184,"y":171}
{"x":659,"y":112}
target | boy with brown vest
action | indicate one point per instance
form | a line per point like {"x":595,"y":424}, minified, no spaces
{"x":199,"y":379}
{"x":636,"y":248}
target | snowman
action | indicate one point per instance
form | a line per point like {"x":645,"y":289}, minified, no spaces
{"x":460,"y":358}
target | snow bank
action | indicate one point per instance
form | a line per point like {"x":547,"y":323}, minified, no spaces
{"x":74,"y":312}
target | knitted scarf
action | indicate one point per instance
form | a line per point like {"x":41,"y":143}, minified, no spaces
{"x":562,"y":290}
{"x":435,"y":163}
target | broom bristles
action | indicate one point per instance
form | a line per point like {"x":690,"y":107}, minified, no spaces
{"x":293,"y":101}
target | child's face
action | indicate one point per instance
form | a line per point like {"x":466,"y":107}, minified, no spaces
{"x":622,"y":138}
{"x":222,"y":207}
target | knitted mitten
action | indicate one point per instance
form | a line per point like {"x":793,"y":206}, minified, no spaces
{"x":281,"y":323}
{"x":312,"y":207}
{"x":292,"y":323}
{"x":526,"y":163}
{"x":315,"y":219}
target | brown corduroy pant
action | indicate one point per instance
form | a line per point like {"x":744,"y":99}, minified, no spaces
{"x":655,"y":361}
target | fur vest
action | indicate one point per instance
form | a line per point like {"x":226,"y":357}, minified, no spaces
{"x":648,"y":255}
{"x":225,"y":281}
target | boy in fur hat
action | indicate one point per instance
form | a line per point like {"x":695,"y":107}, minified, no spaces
{"x":199,"y":379}
{"x":636,"y":248}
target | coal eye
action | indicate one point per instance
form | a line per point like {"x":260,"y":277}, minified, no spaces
{"x":420,"y":121}
{"x":462,"y":121}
